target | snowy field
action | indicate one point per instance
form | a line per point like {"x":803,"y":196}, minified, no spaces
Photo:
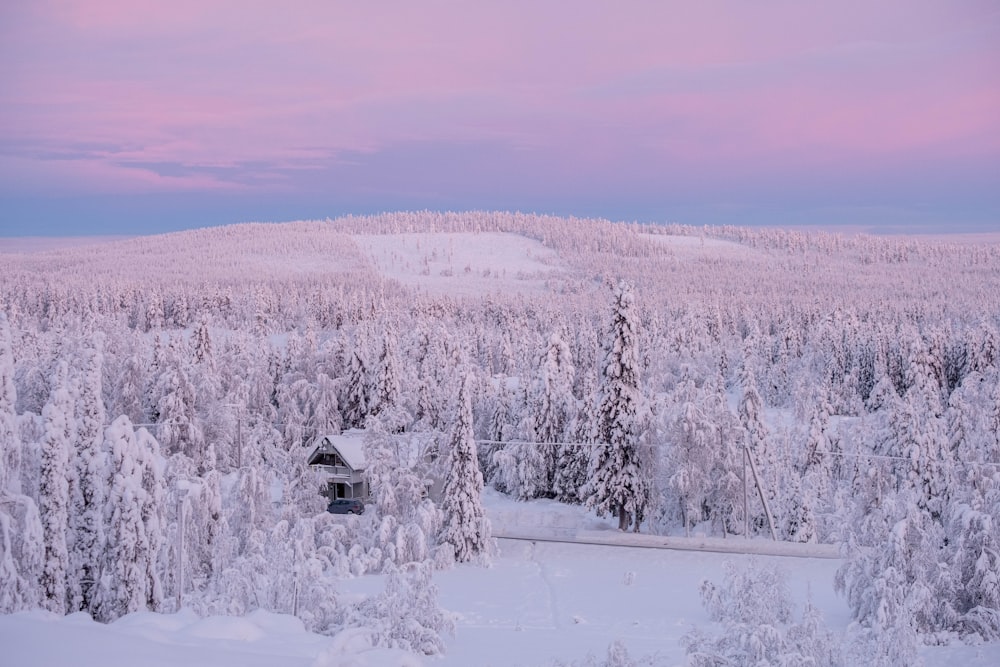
{"x":461,"y":263}
{"x":538,"y":604}
{"x":694,"y":247}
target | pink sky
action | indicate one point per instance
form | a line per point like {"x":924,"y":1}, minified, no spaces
{"x":682,"y":111}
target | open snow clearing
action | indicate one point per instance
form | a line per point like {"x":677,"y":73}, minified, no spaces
{"x":462,"y":263}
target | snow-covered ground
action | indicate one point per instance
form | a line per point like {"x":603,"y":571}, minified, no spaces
{"x":538,"y":603}
{"x":29,"y":244}
{"x":693,"y":247}
{"x":461,"y":263}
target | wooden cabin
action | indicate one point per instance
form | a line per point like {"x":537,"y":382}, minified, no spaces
{"x":341,"y":459}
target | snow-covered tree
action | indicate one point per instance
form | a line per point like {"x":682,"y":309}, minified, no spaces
{"x":385,"y":382}
{"x":466,"y":527}
{"x":125,"y":561}
{"x":53,"y":492}
{"x":693,"y":439}
{"x":573,"y":461}
{"x":175,"y":413}
{"x":22,"y":543}
{"x":10,"y":443}
{"x":501,"y":428}
{"x":88,"y":488}
{"x":760,"y":448}
{"x":22,"y":553}
{"x":973,"y":593}
{"x":357,"y":400}
{"x":893,"y":567}
{"x":520,"y":469}
{"x":551,"y":405}
{"x":324,"y":413}
{"x":202,"y":343}
{"x":151,"y":469}
{"x":406,"y":615}
{"x":617,"y":482}
{"x":753,"y":606}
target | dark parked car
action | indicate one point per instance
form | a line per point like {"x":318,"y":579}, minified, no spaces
{"x":346,"y":506}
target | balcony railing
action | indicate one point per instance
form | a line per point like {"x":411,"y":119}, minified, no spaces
{"x":335,"y":471}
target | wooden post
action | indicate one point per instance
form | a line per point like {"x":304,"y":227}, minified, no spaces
{"x":760,"y":491}
{"x":180,"y":547}
{"x":239,"y":438}
{"x":746,"y":502}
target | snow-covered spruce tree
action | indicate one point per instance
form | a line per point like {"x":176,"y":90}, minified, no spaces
{"x":151,"y":467}
{"x":357,"y":399}
{"x":9,"y":598}
{"x":324,"y":413}
{"x":88,"y":485}
{"x":799,"y":521}
{"x":380,"y":464}
{"x":10,"y":443}
{"x":500,"y":429}
{"x":202,"y":343}
{"x":973,"y":443}
{"x":552,"y":405}
{"x":436,"y":370}
{"x":520,"y":467}
{"x":917,"y":436}
{"x":617,"y":483}
{"x":573,"y":459}
{"x":725,"y":495}
{"x":385,"y":383}
{"x":691,"y":457}
{"x":129,"y":394}
{"x":22,"y":553}
{"x":888,"y":577}
{"x":125,"y":562}
{"x":293,"y":400}
{"x":178,"y":427}
{"x":974,"y":543}
{"x":53,"y":492}
{"x":466,"y":527}
{"x":395,"y":488}
{"x":252,"y":511}
{"x":22,"y":550}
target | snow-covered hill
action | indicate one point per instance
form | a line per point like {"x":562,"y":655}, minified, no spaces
{"x":159,"y":395}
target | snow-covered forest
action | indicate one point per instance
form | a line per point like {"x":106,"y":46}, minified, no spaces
{"x":159,"y":397}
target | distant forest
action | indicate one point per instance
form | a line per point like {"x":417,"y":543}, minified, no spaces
{"x":805,"y":386}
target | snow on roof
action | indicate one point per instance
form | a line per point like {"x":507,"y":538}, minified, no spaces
{"x":349,"y":445}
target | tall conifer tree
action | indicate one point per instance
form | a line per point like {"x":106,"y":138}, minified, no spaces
{"x":617,"y":483}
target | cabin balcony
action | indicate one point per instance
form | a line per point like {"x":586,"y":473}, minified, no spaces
{"x":335,"y":472}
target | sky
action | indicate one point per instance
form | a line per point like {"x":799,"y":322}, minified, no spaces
{"x":133,"y":117}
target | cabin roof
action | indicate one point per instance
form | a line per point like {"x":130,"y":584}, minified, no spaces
{"x":348,"y":444}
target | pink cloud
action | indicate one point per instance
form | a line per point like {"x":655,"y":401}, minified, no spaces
{"x":718,"y":86}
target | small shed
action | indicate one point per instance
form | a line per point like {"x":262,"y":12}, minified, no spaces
{"x":341,"y":458}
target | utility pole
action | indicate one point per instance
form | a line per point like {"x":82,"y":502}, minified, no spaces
{"x":180,"y":548}
{"x":760,"y":492}
{"x":183,"y":487}
{"x":746,"y":500}
{"x":239,"y":438}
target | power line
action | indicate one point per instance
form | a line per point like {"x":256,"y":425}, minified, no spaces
{"x":533,"y":442}
{"x":885,"y":457}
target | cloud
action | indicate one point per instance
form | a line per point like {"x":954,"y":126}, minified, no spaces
{"x":498,"y":101}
